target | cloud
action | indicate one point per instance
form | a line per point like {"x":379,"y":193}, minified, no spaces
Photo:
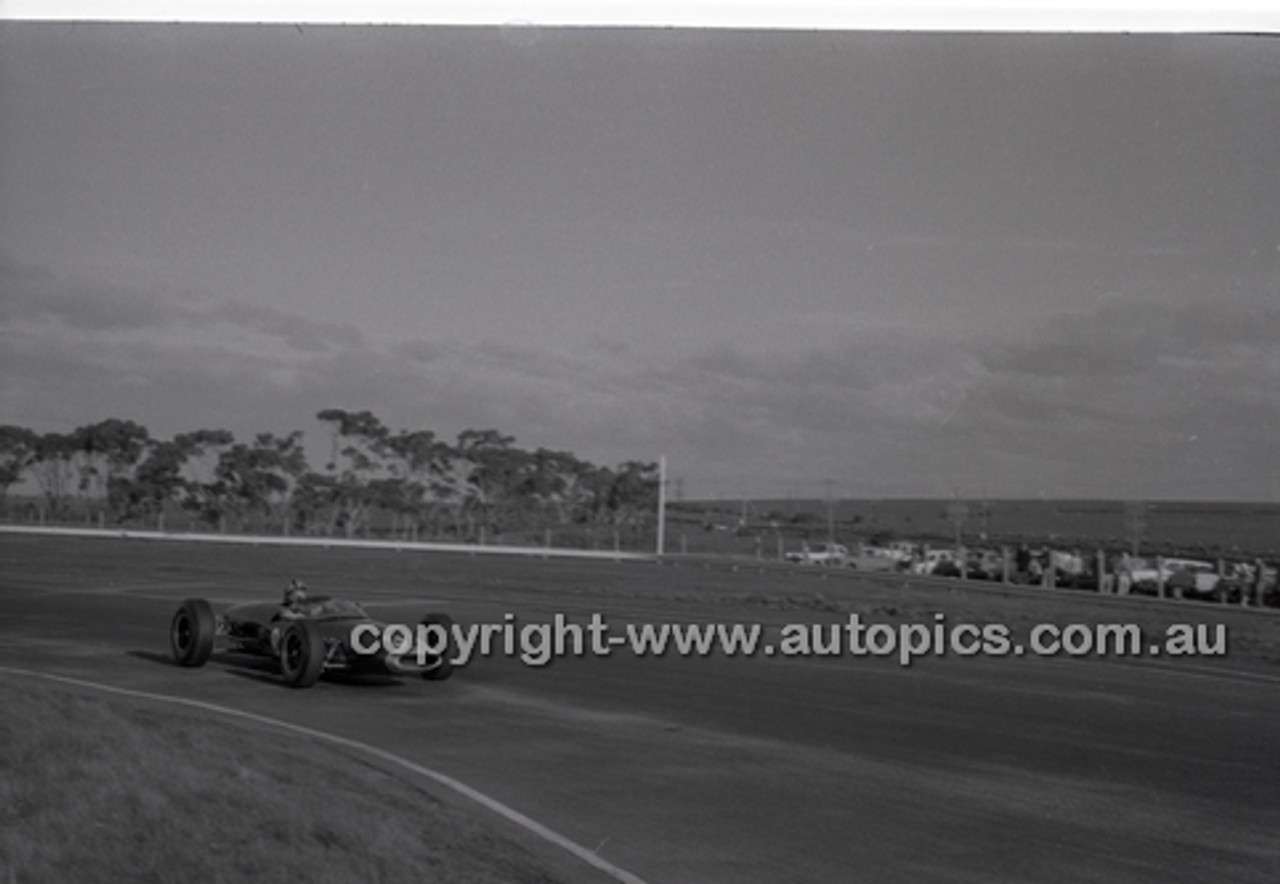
{"x":1147,"y":361}
{"x":1141,"y":398}
{"x":1123,"y":400}
{"x":39,"y":302}
{"x":34,"y":295}
{"x":296,"y":332}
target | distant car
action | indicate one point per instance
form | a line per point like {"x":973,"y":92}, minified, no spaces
{"x":939,"y":562}
{"x":892,"y":553}
{"x":833,"y":554}
{"x":880,"y":558}
{"x":1190,"y":577}
{"x":1193,"y":578}
{"x":306,"y":641}
{"x":984,"y":564}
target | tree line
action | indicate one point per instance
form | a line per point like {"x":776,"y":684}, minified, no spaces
{"x":407,"y":483}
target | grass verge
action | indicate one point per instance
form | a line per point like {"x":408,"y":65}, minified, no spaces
{"x":98,"y":791}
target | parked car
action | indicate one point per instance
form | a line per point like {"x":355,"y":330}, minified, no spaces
{"x":833,"y":554}
{"x":1188,"y":577}
{"x":939,"y":562}
{"x":984,"y":564}
{"x":889,"y":553}
{"x":879,"y":558}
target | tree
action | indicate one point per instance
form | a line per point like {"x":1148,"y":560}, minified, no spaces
{"x":493,"y":473}
{"x":203,"y":491}
{"x":17,"y":454}
{"x":314,"y":503}
{"x":547,"y":482}
{"x":54,"y":468}
{"x":260,"y":478}
{"x":288,"y":460}
{"x":484,"y":481}
{"x":421,"y":464}
{"x":104,"y":451}
{"x":156,"y":479}
{"x":633,"y":496}
{"x":597,"y":486}
{"x":361,"y":441}
{"x":362,"y":436}
{"x":183,"y":470}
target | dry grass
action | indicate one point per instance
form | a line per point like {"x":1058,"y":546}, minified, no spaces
{"x":97,"y":791}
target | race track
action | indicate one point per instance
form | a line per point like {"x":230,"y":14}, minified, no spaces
{"x":697,"y":771}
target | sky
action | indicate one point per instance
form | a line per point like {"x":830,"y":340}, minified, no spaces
{"x":988,"y":265}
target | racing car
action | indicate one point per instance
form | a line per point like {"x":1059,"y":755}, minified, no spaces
{"x":306,"y":636}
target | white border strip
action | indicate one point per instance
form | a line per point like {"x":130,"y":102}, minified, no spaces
{"x":538,"y":552}
{"x":935,"y":15}
{"x":508,"y":813}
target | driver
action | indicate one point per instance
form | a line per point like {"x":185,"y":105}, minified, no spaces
{"x":295,"y":601}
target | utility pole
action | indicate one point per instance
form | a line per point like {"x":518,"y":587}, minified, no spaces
{"x":958,"y":512}
{"x":831,"y":513}
{"x":662,"y":503}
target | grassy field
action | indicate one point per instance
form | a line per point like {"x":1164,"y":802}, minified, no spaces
{"x":109,"y":791}
{"x":1160,"y":527}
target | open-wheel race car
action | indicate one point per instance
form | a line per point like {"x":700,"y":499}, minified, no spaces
{"x":306,"y":636}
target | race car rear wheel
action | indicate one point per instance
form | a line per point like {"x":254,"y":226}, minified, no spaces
{"x":301,"y":655}
{"x":441,"y":667}
{"x":191,"y":633}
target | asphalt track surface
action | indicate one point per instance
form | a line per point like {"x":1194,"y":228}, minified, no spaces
{"x":706,"y":770}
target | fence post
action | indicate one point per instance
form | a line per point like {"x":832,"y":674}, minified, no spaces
{"x":1004,"y":564}
{"x":1160,"y":587}
{"x":1100,"y":568}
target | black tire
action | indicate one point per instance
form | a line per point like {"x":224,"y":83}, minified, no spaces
{"x":442,"y":666}
{"x":191,"y":633}
{"x":301,"y":655}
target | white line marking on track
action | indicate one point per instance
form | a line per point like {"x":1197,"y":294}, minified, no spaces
{"x":586,"y":855}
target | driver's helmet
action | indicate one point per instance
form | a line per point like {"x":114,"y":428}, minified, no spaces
{"x":296,"y":594}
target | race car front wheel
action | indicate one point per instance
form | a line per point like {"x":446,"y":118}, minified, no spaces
{"x":301,"y":655}
{"x":191,"y":633}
